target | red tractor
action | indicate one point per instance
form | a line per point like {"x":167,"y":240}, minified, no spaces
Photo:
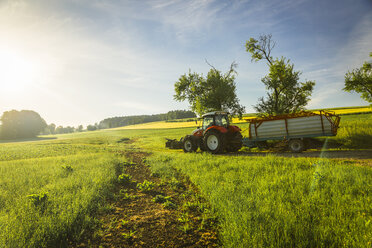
{"x":215,"y":136}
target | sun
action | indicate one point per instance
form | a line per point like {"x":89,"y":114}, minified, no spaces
{"x":16,"y":71}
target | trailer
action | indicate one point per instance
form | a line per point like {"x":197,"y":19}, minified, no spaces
{"x":293,"y":128}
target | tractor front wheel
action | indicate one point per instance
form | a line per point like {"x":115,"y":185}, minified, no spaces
{"x":189,"y":144}
{"x":214,"y":142}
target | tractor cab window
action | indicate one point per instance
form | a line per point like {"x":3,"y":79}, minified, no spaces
{"x":222,"y":120}
{"x":207,"y":122}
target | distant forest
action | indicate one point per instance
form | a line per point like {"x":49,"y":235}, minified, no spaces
{"x":138,"y":119}
{"x":27,"y":123}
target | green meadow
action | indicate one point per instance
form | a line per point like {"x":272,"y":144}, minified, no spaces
{"x":280,"y":202}
{"x":51,"y":190}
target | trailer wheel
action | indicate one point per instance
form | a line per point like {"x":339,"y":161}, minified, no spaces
{"x":214,"y":142}
{"x":189,"y":144}
{"x":296,"y":145}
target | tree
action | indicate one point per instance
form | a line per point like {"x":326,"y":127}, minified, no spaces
{"x":91,"y":127}
{"x":21,"y":124}
{"x":285,"y":93}
{"x":80,"y":128}
{"x":215,"y":92}
{"x":49,"y":129}
{"x":360,"y":81}
{"x":52,"y":128}
{"x":60,"y":130}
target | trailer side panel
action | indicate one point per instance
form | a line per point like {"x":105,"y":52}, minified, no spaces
{"x":305,"y":126}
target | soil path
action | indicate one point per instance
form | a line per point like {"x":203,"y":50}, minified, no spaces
{"x":135,"y":220}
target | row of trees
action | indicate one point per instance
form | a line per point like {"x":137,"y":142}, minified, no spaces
{"x":285,"y":93}
{"x":28,"y":124}
{"x":53,"y":129}
{"x":138,"y":119}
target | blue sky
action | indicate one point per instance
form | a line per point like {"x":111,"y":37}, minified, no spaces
{"x":78,"y":62}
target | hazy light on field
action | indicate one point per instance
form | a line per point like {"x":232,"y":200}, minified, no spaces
{"x":17,"y":71}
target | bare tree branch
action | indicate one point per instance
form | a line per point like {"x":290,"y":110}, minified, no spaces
{"x":206,"y":61}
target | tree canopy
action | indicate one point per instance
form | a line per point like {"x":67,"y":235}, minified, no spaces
{"x":360,"y":81}
{"x":21,"y":124}
{"x":216,"y":91}
{"x":285,"y":93}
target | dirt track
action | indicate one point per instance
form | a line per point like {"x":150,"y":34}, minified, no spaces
{"x":140,"y":222}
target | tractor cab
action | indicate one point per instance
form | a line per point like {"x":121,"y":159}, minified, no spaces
{"x":216,"y":118}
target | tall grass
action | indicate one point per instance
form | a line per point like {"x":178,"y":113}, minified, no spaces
{"x":278,"y":202}
{"x":75,"y":186}
{"x":355,"y":131}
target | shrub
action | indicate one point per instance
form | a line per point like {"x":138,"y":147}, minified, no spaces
{"x":169,"y":205}
{"x":124,"y":179}
{"x":161,"y":199}
{"x":39,"y":200}
{"x":146,"y":186}
{"x":68,"y":168}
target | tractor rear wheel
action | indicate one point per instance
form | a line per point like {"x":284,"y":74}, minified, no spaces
{"x":296,"y":145}
{"x":214,"y":142}
{"x":189,"y":144}
{"x":235,"y":142}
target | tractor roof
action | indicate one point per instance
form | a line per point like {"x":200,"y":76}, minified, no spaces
{"x":216,"y":113}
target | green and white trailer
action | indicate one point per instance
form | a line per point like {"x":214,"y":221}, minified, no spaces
{"x":294,"y":128}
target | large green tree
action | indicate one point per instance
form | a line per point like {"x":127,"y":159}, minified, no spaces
{"x":360,"y":81}
{"x":21,"y":124}
{"x":216,"y":91}
{"x":285,"y":94}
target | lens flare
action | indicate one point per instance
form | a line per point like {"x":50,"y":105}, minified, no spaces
{"x":16,"y":71}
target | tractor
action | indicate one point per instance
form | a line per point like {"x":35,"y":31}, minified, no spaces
{"x":216,"y":135}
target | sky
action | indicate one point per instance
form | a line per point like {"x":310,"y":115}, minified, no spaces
{"x":81,"y":61}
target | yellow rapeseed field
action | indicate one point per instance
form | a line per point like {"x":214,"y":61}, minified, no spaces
{"x":351,"y":110}
{"x":163,"y":124}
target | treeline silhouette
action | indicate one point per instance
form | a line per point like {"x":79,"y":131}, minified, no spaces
{"x":53,"y":129}
{"x":138,"y":119}
{"x":21,"y":124}
{"x":28,"y":124}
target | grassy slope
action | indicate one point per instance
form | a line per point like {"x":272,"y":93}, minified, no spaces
{"x":281,"y":202}
{"x":355,"y":131}
{"x":261,"y":201}
{"x":76,"y":178}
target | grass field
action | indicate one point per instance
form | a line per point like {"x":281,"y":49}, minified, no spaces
{"x":51,"y":190}
{"x":46,"y":201}
{"x":278,"y":202}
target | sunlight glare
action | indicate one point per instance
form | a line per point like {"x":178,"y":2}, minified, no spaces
{"x":16,"y":71}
